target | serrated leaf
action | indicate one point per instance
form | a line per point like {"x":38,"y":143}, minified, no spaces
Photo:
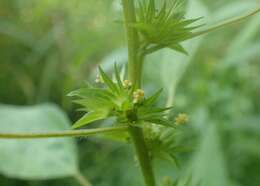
{"x":91,"y":117}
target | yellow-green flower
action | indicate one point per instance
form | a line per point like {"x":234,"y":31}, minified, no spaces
{"x":127,"y":84}
{"x":182,"y":118}
{"x":138,"y":95}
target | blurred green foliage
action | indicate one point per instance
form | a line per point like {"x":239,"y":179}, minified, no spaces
{"x":49,"y":48}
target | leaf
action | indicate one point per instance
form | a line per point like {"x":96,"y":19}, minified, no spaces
{"x":111,"y":85}
{"x":208,"y":165}
{"x":166,"y":67}
{"x":165,"y":27}
{"x":179,"y":48}
{"x":94,"y":98}
{"x":160,"y":121}
{"x":119,"y":82}
{"x":151,"y":100}
{"x":92,"y":93}
{"x":90,"y":117}
{"x":36,"y":159}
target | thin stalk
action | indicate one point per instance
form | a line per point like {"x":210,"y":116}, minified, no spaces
{"x":68,"y":133}
{"x":227,"y":22}
{"x":81,"y":179}
{"x":134,"y":74}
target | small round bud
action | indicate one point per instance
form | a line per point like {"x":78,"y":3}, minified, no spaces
{"x":138,"y":96}
{"x":99,"y":79}
{"x":182,"y":118}
{"x":127,"y":84}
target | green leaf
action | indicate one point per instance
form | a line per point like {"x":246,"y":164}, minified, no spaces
{"x":166,"y":67}
{"x":119,"y":82}
{"x":163,"y":26}
{"x":36,"y":159}
{"x":90,"y":117}
{"x":111,"y":85}
{"x":147,"y":111}
{"x":94,"y":98}
{"x":179,"y":48}
{"x":208,"y":164}
{"x":160,"y":121}
{"x":152,"y":99}
{"x":92,"y":93}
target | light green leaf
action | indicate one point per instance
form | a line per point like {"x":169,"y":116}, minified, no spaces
{"x":36,"y":159}
{"x":90,"y":117}
{"x":111,"y":85}
{"x":119,"y":81}
{"x":208,"y":165}
{"x":93,"y":98}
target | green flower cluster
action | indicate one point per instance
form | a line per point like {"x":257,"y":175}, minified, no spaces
{"x":118,"y":99}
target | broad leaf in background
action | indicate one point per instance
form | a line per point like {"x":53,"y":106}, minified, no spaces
{"x":38,"y":158}
{"x":208,"y":167}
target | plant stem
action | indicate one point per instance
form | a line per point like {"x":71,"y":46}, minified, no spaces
{"x":68,"y":133}
{"x":134,"y":74}
{"x":228,"y":22}
{"x":134,"y":71}
{"x":81,"y":179}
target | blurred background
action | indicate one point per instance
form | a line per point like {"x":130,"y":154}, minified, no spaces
{"x":49,"y":48}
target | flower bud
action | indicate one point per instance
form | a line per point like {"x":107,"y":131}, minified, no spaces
{"x":99,"y":79}
{"x":182,"y":118}
{"x":127,"y":84}
{"x":138,"y":96}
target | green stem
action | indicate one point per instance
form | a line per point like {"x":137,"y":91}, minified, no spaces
{"x":143,"y":155}
{"x":81,"y":179}
{"x":134,"y":71}
{"x":134,"y":74}
{"x":68,"y":133}
{"x":225,"y":23}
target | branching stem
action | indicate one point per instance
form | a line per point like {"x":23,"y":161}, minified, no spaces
{"x":68,"y":133}
{"x":227,"y":22}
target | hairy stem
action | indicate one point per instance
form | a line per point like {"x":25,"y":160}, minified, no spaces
{"x":68,"y":133}
{"x":134,"y":73}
